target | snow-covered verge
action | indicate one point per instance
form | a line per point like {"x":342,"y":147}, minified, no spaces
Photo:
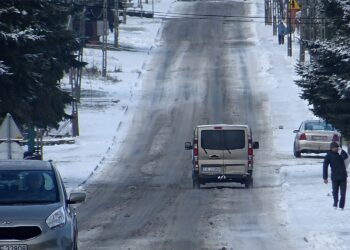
{"x":107,"y":104}
{"x":305,"y":199}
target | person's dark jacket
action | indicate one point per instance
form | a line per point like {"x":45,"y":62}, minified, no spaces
{"x":336,"y":161}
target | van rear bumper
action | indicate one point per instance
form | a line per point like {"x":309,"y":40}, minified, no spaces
{"x":223,"y":178}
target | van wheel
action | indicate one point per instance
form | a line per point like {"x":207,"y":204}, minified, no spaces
{"x":196,"y":183}
{"x":248,"y":182}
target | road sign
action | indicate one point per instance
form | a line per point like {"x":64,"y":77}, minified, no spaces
{"x":9,"y":130}
{"x":293,"y":5}
{"x":16,"y":152}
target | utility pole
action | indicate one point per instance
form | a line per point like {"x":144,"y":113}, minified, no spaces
{"x":289,"y":17}
{"x":268,"y":15}
{"x":124,"y":11}
{"x":153,"y":8}
{"x":104,"y":40}
{"x":274,"y":18}
{"x":303,"y":26}
{"x":75,"y":75}
{"x":116,"y":24}
{"x":9,"y":141}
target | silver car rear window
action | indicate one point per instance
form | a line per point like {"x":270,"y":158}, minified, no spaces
{"x":28,"y":187}
{"x":223,"y":139}
{"x":316,"y":125}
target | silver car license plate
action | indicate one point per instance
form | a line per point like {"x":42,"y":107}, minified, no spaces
{"x":13,"y":247}
{"x":319,"y":138}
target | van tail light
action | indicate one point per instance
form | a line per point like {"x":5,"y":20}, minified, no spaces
{"x":336,"y":137}
{"x":195,"y":154}
{"x":302,"y":137}
{"x":250,"y":154}
{"x":195,"y":148}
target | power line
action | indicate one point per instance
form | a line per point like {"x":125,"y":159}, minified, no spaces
{"x":178,"y":14}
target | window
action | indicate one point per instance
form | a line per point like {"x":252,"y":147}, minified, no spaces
{"x":223,"y":139}
{"x":318,"y":125}
{"x":28,"y":186}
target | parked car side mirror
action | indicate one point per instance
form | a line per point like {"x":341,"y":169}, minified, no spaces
{"x":296,"y":131}
{"x":256,"y":145}
{"x":77,"y":197}
{"x":188,"y":146}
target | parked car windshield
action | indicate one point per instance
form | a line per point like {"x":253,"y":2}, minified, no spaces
{"x":318,"y":125}
{"x":28,"y":187}
{"x":223,"y":139}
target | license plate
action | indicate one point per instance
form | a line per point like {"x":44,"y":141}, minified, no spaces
{"x":13,"y":247}
{"x":209,"y":169}
{"x":319,"y":138}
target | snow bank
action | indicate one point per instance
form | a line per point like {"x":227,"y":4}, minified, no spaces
{"x":107,"y":104}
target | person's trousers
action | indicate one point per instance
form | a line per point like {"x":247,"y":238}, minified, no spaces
{"x":336,"y":185}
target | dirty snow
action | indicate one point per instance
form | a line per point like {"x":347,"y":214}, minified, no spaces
{"x":107,"y":104}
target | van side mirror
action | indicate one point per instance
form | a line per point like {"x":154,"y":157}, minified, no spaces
{"x":296,"y":131}
{"x":256,"y":145}
{"x":188,"y":146}
{"x":77,"y":197}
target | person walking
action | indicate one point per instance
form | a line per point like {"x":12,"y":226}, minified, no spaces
{"x":281,"y":32}
{"x":336,"y":159}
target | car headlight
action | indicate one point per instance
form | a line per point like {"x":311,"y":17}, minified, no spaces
{"x":57,"y":218}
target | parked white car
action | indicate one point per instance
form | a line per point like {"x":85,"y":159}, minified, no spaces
{"x":314,"y":136}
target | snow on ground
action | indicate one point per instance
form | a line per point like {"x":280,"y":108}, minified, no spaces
{"x":306,"y":200}
{"x":107,"y":104}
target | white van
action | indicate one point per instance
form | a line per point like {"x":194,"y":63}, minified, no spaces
{"x":222,"y":153}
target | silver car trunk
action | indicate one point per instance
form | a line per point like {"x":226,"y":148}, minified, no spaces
{"x":319,"y":135}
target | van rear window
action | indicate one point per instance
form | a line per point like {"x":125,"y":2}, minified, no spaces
{"x":223,"y":139}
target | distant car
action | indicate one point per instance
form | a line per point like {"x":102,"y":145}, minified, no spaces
{"x":35,"y":211}
{"x":314,"y":136}
{"x":222,"y":153}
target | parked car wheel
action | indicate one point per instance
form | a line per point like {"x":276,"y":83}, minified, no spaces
{"x":297,"y":154}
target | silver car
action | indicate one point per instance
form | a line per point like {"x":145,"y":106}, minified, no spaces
{"x":314,"y":136}
{"x":35,"y":211}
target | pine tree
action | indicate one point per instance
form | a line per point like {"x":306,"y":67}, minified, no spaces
{"x":325,"y":81}
{"x":35,"y":50}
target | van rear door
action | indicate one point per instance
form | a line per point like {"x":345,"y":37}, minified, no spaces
{"x":236,"y":150}
{"x":210,"y":153}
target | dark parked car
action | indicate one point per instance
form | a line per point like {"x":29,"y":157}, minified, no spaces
{"x":35,"y":211}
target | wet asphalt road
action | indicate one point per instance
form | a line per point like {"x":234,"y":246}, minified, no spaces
{"x":204,"y":71}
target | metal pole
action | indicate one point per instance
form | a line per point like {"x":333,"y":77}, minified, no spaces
{"x":302,"y":31}
{"x":116,"y":23}
{"x":270,"y":12}
{"x":9,"y":153}
{"x":124,"y":11}
{"x":104,"y":40}
{"x":274,"y":20}
{"x":289,"y":15}
{"x":153,"y":8}
{"x":266,"y":12}
{"x":141,"y":9}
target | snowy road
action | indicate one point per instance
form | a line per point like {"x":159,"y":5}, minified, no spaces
{"x":203,"y":71}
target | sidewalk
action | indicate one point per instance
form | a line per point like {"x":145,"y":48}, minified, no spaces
{"x":307,"y":201}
